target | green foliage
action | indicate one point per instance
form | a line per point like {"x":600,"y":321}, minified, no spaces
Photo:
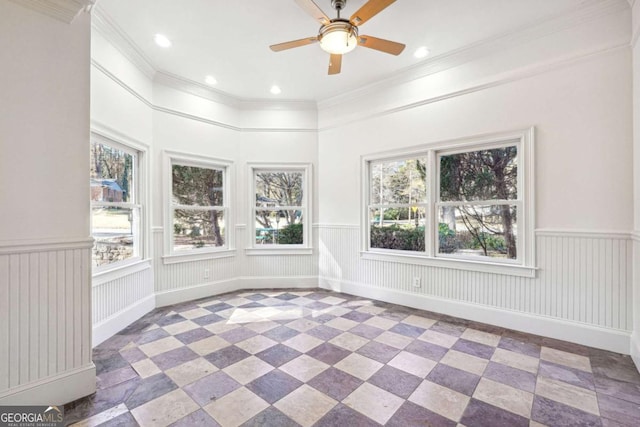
{"x":491,"y":241}
{"x":396,"y":237}
{"x":446,"y":239}
{"x":292,"y":234}
{"x":177,"y":228}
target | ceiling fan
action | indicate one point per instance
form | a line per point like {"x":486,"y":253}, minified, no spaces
{"x":339,"y":36}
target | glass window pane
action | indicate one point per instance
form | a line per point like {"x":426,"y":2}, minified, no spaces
{"x":194,"y":186}
{"x":278,"y":189}
{"x":482,"y":231}
{"x":279,"y":227}
{"x":480,"y":175}
{"x":196,"y":229}
{"x":401,"y":229}
{"x":113,"y":231}
{"x":398,"y":181}
{"x":111,"y":174}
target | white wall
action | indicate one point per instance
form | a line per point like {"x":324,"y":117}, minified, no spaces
{"x":574,"y":86}
{"x":45,"y":334}
{"x":635,"y":47}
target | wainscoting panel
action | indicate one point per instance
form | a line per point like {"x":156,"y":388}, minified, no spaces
{"x":45,"y":315}
{"x":582,"y":277}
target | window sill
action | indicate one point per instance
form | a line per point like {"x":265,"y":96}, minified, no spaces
{"x":197,"y":256}
{"x":279,"y":251}
{"x":456,"y":264}
{"x":117,"y":272}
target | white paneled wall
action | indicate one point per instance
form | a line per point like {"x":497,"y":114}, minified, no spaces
{"x":45,"y":312}
{"x":111,"y":297}
{"x":582,"y":277}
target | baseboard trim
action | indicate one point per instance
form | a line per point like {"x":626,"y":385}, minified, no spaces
{"x":56,"y":390}
{"x":123,"y":318}
{"x":589,"y":335}
{"x":176,"y":296}
{"x":635,"y":348}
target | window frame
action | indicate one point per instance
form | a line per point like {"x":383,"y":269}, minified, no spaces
{"x":171,"y":158}
{"x":525,"y":264}
{"x":139,"y":151}
{"x":306,"y":248}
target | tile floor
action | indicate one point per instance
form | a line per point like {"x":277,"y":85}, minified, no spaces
{"x":289,"y":358}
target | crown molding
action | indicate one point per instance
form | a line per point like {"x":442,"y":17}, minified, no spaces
{"x":62,"y":10}
{"x":201,"y":90}
{"x":588,"y":11}
{"x":102,"y":22}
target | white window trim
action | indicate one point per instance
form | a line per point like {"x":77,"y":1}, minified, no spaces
{"x":526,"y":264}
{"x":307,"y":247}
{"x":104,"y":135}
{"x":190,"y":159}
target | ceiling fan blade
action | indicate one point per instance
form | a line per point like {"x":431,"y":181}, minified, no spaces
{"x":386,"y":46}
{"x":369,"y":10}
{"x":335,"y":64}
{"x":312,"y":9}
{"x":294,"y":43}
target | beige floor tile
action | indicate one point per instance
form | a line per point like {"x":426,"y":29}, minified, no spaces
{"x":237,"y":302}
{"x":505,"y":397}
{"x":160,"y":346}
{"x":190,"y":371}
{"x":359,"y":366}
{"x":303,"y":342}
{"x":516,"y":360}
{"x":209,"y":303}
{"x":394,"y":340}
{"x":441,"y":400}
{"x":305,"y":405}
{"x":180,"y":327}
{"x":261,"y":326}
{"x":375,"y":403}
{"x":419,"y":321}
{"x":245,"y":315}
{"x":247,"y":370}
{"x":236,"y":407}
{"x":256,"y":344}
{"x":412,"y":364}
{"x":481,"y":337}
{"x":195,"y":313}
{"x":145,"y":368}
{"x":301,"y":301}
{"x":370,"y":309}
{"x":349,"y":341}
{"x":568,"y":394}
{"x":332,"y":300}
{"x":220,"y":327}
{"x":304,"y":367}
{"x":102,"y":417}
{"x":443,"y":340}
{"x":381,"y":323}
{"x":341,"y":323}
{"x":567,"y":359}
{"x":302,"y":325}
{"x":208,"y":345}
{"x":465,"y":361}
{"x":165,"y":410}
{"x":336,"y":311}
{"x":536,"y":424}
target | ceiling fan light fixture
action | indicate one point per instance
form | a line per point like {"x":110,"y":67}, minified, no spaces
{"x":338,"y":37}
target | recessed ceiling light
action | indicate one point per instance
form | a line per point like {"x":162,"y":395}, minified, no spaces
{"x":162,"y":41}
{"x":210,"y":80}
{"x":275,"y":90}
{"x":421,"y":52}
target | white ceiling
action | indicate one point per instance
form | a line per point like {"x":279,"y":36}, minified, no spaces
{"x":230,"y":39}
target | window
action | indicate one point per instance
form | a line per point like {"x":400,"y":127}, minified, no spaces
{"x":458,"y":202}
{"x":280,"y":206}
{"x":115,"y":204}
{"x":198,"y":212}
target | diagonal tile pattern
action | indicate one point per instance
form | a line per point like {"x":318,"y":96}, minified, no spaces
{"x":311,"y":357}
